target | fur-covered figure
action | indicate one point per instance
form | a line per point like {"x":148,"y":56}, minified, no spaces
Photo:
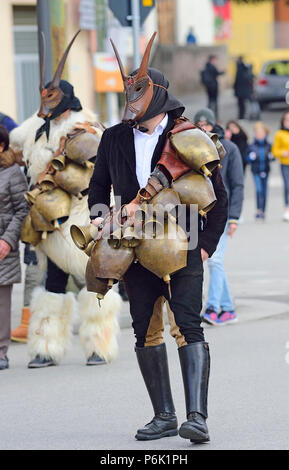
{"x":100,"y":325}
{"x":41,"y":138}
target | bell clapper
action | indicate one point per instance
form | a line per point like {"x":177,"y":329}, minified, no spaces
{"x":56,"y":225}
{"x":79,"y":196}
{"x":206,"y":171}
{"x":44,"y":236}
{"x":202,"y":213}
{"x":167,"y":280}
{"x":110,"y":283}
{"x":99,"y":297}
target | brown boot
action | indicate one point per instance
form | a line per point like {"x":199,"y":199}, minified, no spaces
{"x":20,"y":334}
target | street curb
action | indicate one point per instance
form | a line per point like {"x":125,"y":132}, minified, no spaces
{"x":247,"y":310}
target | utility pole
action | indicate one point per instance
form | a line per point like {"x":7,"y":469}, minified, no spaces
{"x":51,"y":21}
{"x":58,"y":33}
{"x":135,"y":9}
{"x":111,"y":97}
{"x":43,"y":16}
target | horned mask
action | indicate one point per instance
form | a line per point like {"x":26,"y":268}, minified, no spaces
{"x":52,"y":96}
{"x":138,"y":88}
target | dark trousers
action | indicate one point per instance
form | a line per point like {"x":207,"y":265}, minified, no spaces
{"x":147,"y":294}
{"x":261,"y":184}
{"x":56,"y":280}
{"x":285,"y":175}
{"x":242,"y":107}
{"x":213,"y":101}
{"x":5,"y":319}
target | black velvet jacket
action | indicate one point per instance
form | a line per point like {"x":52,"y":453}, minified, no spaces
{"x":116,"y":165}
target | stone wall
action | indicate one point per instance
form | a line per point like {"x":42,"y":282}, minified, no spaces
{"x":182,"y":65}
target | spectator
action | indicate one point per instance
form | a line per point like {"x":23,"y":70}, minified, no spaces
{"x":13,"y":209}
{"x":259,"y":156}
{"x":243,"y":85}
{"x":280,"y":150}
{"x":7,"y":122}
{"x":191,"y":38}
{"x":236,"y":134}
{"x":220,"y":309}
{"x":209,"y":77}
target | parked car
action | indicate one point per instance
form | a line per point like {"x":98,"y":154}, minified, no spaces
{"x":271,"y":83}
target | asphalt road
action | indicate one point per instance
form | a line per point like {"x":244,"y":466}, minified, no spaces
{"x":75,"y":407}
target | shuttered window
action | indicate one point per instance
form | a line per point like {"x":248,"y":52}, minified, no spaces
{"x":26,"y":61}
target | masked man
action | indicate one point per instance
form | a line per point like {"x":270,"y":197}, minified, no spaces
{"x":58,"y":200}
{"x":129,"y":154}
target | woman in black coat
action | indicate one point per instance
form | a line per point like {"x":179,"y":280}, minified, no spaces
{"x":243,"y":85}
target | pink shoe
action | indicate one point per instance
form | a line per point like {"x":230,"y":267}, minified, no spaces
{"x":210,"y":316}
{"x":227,"y":317}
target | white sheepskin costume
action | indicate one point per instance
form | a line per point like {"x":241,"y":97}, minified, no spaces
{"x":50,"y":329}
{"x":100,"y":326}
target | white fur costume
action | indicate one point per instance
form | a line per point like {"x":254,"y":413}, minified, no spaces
{"x":51,"y":323}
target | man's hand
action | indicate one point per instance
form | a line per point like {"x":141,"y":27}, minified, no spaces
{"x":232,"y":229}
{"x":5,"y":249}
{"x":97,"y":221}
{"x":204,"y":255}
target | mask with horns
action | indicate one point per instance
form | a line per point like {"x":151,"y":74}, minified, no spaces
{"x":58,"y":95}
{"x":139,"y":88}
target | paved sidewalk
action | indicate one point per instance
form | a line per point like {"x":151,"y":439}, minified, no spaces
{"x":76,"y":407}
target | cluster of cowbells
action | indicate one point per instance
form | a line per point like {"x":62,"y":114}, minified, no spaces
{"x":69,"y":175}
{"x":154,"y":239}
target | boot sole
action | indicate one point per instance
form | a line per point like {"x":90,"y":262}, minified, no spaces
{"x":89,"y":364}
{"x":41,"y":366}
{"x":194,"y":435}
{"x":17,"y":340}
{"x":229,"y":322}
{"x":143,"y":437}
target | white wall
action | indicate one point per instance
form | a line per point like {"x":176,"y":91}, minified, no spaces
{"x":7,"y":77}
{"x":199,"y":15}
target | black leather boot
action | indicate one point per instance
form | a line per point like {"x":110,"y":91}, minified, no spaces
{"x":195,"y":364}
{"x":153,"y":363}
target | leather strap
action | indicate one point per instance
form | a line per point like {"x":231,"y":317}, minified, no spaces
{"x":168,"y":169}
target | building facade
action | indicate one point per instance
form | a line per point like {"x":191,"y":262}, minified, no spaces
{"x":176,"y":17}
{"x":19,"y":81}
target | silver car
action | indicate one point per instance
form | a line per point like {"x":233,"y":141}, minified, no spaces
{"x":271,"y":83}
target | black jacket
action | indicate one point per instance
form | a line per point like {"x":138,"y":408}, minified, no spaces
{"x":241,"y":140}
{"x":211,"y":74}
{"x":232,"y":174}
{"x":244,"y":81}
{"x":116,"y":165}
